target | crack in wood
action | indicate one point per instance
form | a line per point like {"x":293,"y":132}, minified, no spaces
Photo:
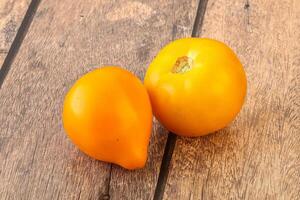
{"x":164,"y":168}
{"x":199,"y":18}
{"x":247,"y":9}
{"x":13,"y":51}
{"x":106,"y":196}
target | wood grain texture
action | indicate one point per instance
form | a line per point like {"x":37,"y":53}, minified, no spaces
{"x":11,"y":15}
{"x":37,"y":159}
{"x":258,"y":155}
{"x":64,"y":41}
{"x":169,"y":20}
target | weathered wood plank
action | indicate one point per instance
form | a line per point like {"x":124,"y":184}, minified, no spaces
{"x":11,"y":15}
{"x":66,"y":40}
{"x":167,"y":20}
{"x":257,"y":156}
{"x":37,"y":160}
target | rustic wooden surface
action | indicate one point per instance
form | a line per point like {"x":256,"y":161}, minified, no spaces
{"x":256,"y":157}
{"x":64,"y":41}
{"x":11,"y":15}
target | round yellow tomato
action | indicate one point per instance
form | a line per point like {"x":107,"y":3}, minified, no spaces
{"x":107,"y":114}
{"x":196,"y":86}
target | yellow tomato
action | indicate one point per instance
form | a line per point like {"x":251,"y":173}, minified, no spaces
{"x":196,"y":86}
{"x":107,"y":114}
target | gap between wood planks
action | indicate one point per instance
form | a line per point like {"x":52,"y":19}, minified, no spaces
{"x":17,"y":42}
{"x":171,"y":141}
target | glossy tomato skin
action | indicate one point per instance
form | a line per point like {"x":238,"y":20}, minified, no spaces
{"x":204,"y":98}
{"x":107,"y":114}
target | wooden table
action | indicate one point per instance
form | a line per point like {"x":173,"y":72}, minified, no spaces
{"x":45,"y":45}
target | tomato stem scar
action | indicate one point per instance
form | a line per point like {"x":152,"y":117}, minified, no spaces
{"x":182,"y":65}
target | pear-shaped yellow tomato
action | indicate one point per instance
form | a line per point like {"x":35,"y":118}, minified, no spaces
{"x":196,"y":86}
{"x":107,"y":114}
